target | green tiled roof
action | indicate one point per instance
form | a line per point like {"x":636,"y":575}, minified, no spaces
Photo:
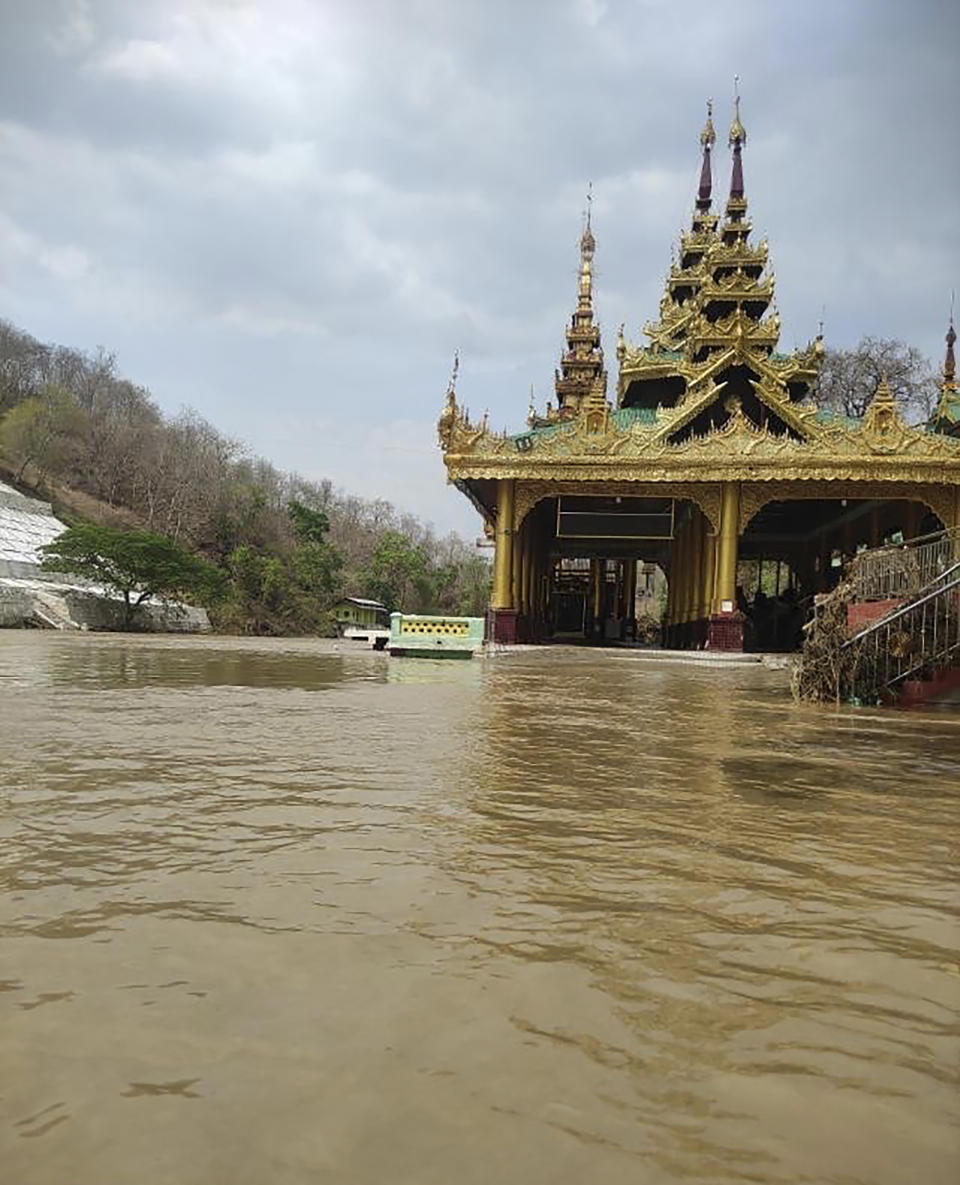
{"x":826,"y":415}
{"x":624,"y":417}
{"x":946,"y":419}
{"x":541,"y":432}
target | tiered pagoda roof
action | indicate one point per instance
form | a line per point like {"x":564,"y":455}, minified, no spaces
{"x":709,"y":398}
{"x":713,"y":349}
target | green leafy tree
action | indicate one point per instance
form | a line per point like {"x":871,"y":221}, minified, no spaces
{"x":38,"y":430}
{"x":316,"y":562}
{"x":309,"y":526}
{"x":316,"y":567}
{"x":398,"y":573}
{"x":137,"y":565}
{"x":272,"y":594}
{"x":472,"y":590}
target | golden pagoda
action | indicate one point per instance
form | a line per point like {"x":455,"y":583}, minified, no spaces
{"x":714,"y":463}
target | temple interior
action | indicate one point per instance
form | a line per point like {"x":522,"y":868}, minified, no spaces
{"x":620,"y":569}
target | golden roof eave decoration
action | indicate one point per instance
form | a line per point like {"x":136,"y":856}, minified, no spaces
{"x":593,"y":442}
{"x":882,"y":421}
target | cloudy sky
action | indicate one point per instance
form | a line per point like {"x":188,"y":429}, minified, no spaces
{"x":288,"y":214}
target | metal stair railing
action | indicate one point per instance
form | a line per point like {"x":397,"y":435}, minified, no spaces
{"x":903,"y":569}
{"x":921,"y":636}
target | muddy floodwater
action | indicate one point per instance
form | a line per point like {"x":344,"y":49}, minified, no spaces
{"x":295,"y":912}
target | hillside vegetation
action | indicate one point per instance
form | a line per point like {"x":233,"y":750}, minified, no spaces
{"x":97,"y":445}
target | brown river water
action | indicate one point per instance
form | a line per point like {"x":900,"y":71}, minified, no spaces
{"x":293,"y":912}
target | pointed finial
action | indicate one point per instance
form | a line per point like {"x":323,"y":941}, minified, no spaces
{"x":950,"y":361}
{"x":588,"y":244}
{"x":708,"y":137}
{"x":738,"y":133}
{"x":818,"y":340}
{"x":738,"y":137}
{"x":449,"y":415}
{"x":452,"y":385}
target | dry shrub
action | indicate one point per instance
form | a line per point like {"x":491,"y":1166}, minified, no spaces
{"x":824,"y":669}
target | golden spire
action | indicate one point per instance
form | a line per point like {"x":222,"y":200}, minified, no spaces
{"x":588,"y":246}
{"x":582,"y":361}
{"x":708,"y":137}
{"x":738,"y":133}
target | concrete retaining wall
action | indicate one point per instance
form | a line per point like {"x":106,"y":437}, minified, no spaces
{"x":25,"y":604}
{"x":31,"y":597}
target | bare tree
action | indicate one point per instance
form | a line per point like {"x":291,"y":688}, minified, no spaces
{"x":849,"y":378}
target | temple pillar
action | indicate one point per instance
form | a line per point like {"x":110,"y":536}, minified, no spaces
{"x":726,"y":621}
{"x":596,"y":597}
{"x":515,"y":571}
{"x":666,"y":621}
{"x":708,"y":578}
{"x":668,"y":605}
{"x":502,"y":618}
{"x":679,"y":604}
{"x":526,"y":580}
{"x":688,"y":584}
{"x":630,"y":597}
{"x":683,"y":584}
{"x":526,"y":563}
{"x":673,"y":589}
{"x":534,"y":592}
{"x":696,"y":576}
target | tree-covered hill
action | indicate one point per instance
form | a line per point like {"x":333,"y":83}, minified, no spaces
{"x":73,"y":429}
